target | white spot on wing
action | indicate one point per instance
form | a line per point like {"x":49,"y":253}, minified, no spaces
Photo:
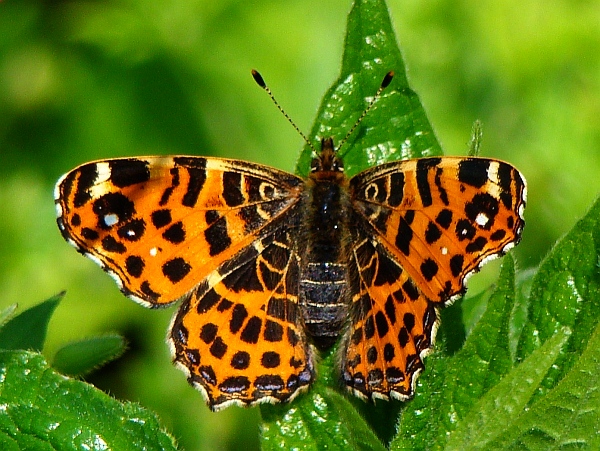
{"x":111,"y":219}
{"x":482,"y":219}
{"x":104,"y":172}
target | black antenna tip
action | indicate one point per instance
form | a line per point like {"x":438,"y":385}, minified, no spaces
{"x":387,"y":79}
{"x":258,"y":79}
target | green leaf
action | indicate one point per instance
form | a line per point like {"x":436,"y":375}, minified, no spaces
{"x":28,"y":330}
{"x":454,"y":384}
{"x":565,"y":292}
{"x":45,"y":410}
{"x":501,"y":406}
{"x":568,"y":416}
{"x":7,"y":314}
{"x":81,"y":357}
{"x":321,"y":419}
{"x":397,"y":127}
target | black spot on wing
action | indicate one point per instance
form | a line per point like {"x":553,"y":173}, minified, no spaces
{"x":175,"y":234}
{"x":404,"y":236}
{"x":456,"y":264}
{"x":498,"y":235}
{"x":474,"y":171}
{"x":476,"y":245}
{"x":251,"y":331}
{"x":235,"y":384}
{"x":218,"y":348}
{"x":273,"y":331}
{"x":388,"y":271}
{"x":429,"y":269}
{"x":134,"y":265}
{"x":217,"y":237}
{"x":232,"y":189}
{"x":196,"y":168}
{"x":207,"y":301}
{"x":87,"y":176}
{"x":440,"y":188}
{"x":238,"y":316}
{"x":166,"y":195}
{"x":485,"y":204}
{"x":269,"y":382}
{"x":208,"y":333}
{"x":240,"y":360}
{"x":161,"y":218}
{"x":128,"y":172}
{"x":432,"y":233}
{"x":149,"y":292}
{"x":113,"y":204}
{"x":396,"y":194}
{"x":270,"y":359}
{"x":89,"y":234}
{"x":444,"y":218}
{"x":132,"y":230}
{"x":176,"y":269}
{"x":410,"y":289}
{"x":109,"y":244}
{"x":422,"y":172}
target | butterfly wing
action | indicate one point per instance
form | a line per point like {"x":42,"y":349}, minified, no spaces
{"x":217,"y":231}
{"x":420,"y":228}
{"x":240,"y":336}
{"x":160,"y":225}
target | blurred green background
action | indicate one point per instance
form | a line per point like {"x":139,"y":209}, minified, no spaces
{"x":89,"y":80}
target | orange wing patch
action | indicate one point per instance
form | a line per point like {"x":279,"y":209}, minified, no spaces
{"x":159,"y":225}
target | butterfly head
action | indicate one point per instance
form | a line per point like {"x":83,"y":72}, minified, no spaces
{"x":327,"y":160}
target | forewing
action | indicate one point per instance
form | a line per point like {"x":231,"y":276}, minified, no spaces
{"x":160,"y":225}
{"x":240,"y":336}
{"x":441,"y":218}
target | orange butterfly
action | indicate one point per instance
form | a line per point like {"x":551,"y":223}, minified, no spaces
{"x":272,"y":267}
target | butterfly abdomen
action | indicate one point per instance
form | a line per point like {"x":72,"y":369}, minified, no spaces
{"x":324,"y":274}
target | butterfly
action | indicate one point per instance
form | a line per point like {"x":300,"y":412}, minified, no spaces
{"x":272,"y":268}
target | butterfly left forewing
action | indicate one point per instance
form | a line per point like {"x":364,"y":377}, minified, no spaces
{"x":159,"y":225}
{"x":441,"y":218}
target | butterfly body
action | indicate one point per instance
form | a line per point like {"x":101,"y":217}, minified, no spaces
{"x":325,"y":272}
{"x":271,"y":267}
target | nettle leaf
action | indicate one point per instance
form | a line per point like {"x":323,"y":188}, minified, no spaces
{"x":44,"y":410}
{"x":81,"y":357}
{"x":565,"y":292}
{"x":28,"y":329}
{"x":395,"y":128}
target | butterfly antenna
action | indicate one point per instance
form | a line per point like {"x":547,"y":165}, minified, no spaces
{"x":384,"y":84}
{"x":261,"y":82}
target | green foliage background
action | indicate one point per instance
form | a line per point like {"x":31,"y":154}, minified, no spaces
{"x":88,"y":80}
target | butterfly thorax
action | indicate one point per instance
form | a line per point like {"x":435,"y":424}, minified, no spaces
{"x":324,"y":275}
